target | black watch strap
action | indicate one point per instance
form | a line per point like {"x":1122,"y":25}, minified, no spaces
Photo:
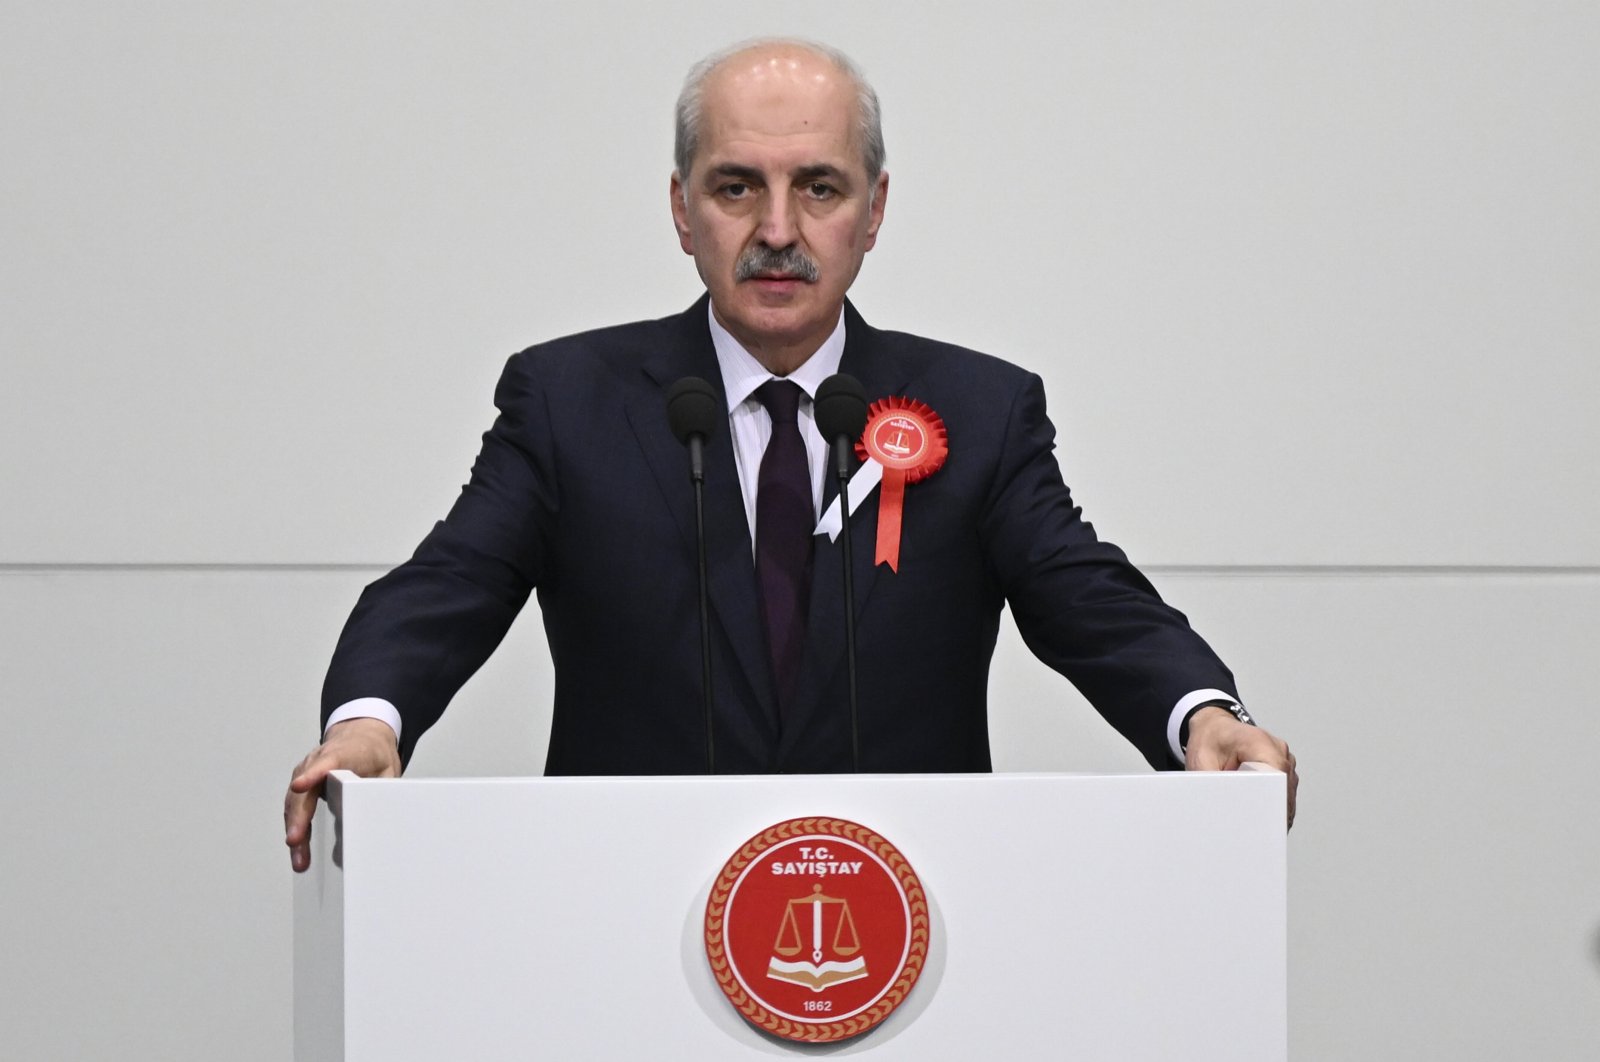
{"x":1233,"y":707}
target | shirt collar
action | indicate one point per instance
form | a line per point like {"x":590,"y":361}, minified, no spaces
{"x":742,"y":373}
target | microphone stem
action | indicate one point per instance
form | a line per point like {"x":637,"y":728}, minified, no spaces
{"x":842,"y":460}
{"x":705,"y":614}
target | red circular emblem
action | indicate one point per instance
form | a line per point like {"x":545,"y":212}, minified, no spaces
{"x":816,"y":929}
{"x":905,"y":435}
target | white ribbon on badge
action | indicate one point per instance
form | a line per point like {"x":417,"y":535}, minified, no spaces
{"x":863,"y":483}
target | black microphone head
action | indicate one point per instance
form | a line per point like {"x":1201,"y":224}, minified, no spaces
{"x":692,"y":408}
{"x":841,"y":407}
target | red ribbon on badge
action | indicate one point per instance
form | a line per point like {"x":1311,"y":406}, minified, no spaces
{"x":909,"y":440}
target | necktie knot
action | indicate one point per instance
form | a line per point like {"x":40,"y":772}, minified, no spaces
{"x":781,"y":399}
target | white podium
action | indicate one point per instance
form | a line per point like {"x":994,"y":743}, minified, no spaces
{"x":1073,"y":917}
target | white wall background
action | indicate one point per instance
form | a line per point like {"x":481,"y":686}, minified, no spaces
{"x":1316,"y":290}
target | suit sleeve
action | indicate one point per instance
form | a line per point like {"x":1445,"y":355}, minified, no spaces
{"x":418,"y":633}
{"x":1079,"y":603}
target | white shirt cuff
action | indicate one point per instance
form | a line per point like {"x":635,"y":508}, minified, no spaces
{"x":1184,"y":706}
{"x":372,"y":708}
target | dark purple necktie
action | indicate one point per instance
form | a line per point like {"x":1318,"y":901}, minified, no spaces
{"x":785,"y":519}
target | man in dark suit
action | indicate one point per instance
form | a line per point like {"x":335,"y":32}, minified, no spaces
{"x":582,"y":493}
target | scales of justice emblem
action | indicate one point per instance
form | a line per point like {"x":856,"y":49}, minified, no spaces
{"x":902,"y":438}
{"x":818,"y":911}
{"x":816,"y":929}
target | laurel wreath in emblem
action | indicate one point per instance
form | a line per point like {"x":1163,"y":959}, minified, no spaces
{"x":816,"y":1032}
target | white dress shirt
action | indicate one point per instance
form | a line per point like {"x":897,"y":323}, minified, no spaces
{"x":750,"y":425}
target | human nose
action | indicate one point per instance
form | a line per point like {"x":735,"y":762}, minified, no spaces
{"x":777,"y":229}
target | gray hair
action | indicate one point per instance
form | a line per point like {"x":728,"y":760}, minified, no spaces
{"x":686,"y":139}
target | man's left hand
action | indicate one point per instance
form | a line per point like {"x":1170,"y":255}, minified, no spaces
{"x":1219,"y":742}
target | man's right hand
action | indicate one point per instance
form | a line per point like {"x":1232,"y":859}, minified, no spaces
{"x":365,"y":747}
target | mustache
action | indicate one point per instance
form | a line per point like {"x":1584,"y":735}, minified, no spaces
{"x":790,"y":261}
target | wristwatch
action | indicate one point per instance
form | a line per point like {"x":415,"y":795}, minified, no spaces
{"x":1233,"y":707}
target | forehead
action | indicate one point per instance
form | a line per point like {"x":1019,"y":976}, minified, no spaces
{"x":782,"y":108}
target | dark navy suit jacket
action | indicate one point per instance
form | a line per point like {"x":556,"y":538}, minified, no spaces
{"x":582,"y":494}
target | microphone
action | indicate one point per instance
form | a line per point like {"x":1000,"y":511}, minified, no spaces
{"x":841,"y":414}
{"x":693,"y":410}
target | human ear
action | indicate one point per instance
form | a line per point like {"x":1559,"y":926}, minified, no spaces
{"x":680,"y":213}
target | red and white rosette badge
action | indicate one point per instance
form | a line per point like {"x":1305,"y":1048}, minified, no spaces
{"x":909,"y":440}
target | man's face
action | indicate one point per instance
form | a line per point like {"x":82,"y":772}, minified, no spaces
{"x":777,"y":208}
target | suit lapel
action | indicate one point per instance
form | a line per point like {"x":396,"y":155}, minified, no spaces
{"x":730,"y":578}
{"x":868,"y":359}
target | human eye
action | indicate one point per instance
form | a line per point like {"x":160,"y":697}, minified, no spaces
{"x":821,"y":190}
{"x":735,"y":190}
